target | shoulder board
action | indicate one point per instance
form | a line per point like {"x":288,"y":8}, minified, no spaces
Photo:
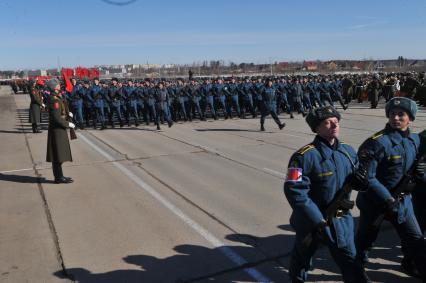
{"x":377,"y":135}
{"x":306,"y":148}
{"x":342,"y":142}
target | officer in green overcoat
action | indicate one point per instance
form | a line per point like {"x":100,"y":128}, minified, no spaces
{"x":58,"y":145}
{"x":35,"y":106}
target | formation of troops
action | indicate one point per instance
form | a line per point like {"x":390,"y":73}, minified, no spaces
{"x":388,"y":171}
{"x":101,"y":103}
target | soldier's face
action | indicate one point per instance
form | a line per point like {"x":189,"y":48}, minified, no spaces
{"x":329,"y":128}
{"x":399,"y":119}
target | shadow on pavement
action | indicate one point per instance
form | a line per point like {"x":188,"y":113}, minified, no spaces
{"x":24,"y":179}
{"x":230,"y":130}
{"x":194,"y":263}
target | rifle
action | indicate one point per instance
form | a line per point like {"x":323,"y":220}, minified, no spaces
{"x":408,"y":181}
{"x":340,"y":203}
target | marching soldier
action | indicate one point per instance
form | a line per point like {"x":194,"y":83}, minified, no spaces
{"x":58,"y":145}
{"x":161,"y":105}
{"x":316,"y":173}
{"x":373,"y":89}
{"x":393,"y":152}
{"x":269,"y":106}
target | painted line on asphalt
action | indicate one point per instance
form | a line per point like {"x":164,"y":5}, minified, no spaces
{"x":228,"y":252}
{"x":276,"y":173}
{"x":17,"y":170}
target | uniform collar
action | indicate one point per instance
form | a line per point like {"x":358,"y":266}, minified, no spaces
{"x":324,"y":148}
{"x":394,"y":135}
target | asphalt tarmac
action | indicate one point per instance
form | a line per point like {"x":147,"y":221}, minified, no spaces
{"x":198,"y":202}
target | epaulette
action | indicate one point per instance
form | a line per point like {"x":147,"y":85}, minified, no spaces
{"x":306,"y":148}
{"x":377,"y":135}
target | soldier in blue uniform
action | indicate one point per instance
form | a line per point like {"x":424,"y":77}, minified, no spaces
{"x":161,"y":105}
{"x":115,"y":97}
{"x":96,"y":94}
{"x":393,"y":151}
{"x":316,"y":173}
{"x":306,"y":99}
{"x":87,"y":103}
{"x":77,"y":103}
{"x":231,"y":89}
{"x":207,"y":92}
{"x":296,"y":95}
{"x":220,"y":96}
{"x":131,"y":100}
{"x":245,"y":89}
{"x":282,"y":97}
{"x":195,"y":95}
{"x":324,"y":90}
{"x":106,"y":99}
{"x":181,"y":97}
{"x":268,"y":105}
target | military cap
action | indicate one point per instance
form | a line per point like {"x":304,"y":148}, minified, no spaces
{"x":317,"y":115}
{"x":51,"y":84}
{"x":403,"y":103}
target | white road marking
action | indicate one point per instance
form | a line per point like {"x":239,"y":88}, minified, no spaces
{"x":228,"y":252}
{"x":276,"y":173}
{"x":17,"y":170}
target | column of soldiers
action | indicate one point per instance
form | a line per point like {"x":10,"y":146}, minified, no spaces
{"x":99,"y":104}
{"x":112,"y":103}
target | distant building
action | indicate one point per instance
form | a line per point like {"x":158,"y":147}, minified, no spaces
{"x":310,"y":66}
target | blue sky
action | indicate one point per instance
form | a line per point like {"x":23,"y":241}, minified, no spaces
{"x":92,"y":32}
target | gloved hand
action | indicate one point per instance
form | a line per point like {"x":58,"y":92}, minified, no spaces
{"x":70,"y":115}
{"x":359,"y":181}
{"x":320,"y":230}
{"x":71,"y":125}
{"x":420,"y":170}
{"x":43,"y":105}
{"x":391,"y":206}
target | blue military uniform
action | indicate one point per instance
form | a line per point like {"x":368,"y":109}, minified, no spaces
{"x":394,"y":153}
{"x":269,"y":106}
{"x":232,"y":91}
{"x":322,"y":170}
{"x":220,"y":95}
{"x":76,"y":100}
{"x":131,"y":100}
{"x":324,"y":89}
{"x":96,"y":94}
{"x":116,"y":98}
{"x":161,"y":106}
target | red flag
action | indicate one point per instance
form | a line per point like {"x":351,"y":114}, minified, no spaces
{"x":68,"y":84}
{"x":40,"y":81}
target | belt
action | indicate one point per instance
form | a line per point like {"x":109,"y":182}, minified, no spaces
{"x":340,"y":213}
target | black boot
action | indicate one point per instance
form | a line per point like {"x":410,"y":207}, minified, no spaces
{"x":262,"y":128}
{"x":409,"y":267}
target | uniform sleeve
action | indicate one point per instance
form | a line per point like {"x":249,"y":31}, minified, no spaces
{"x":297,"y":193}
{"x":374,"y":150}
{"x":57,"y":119}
